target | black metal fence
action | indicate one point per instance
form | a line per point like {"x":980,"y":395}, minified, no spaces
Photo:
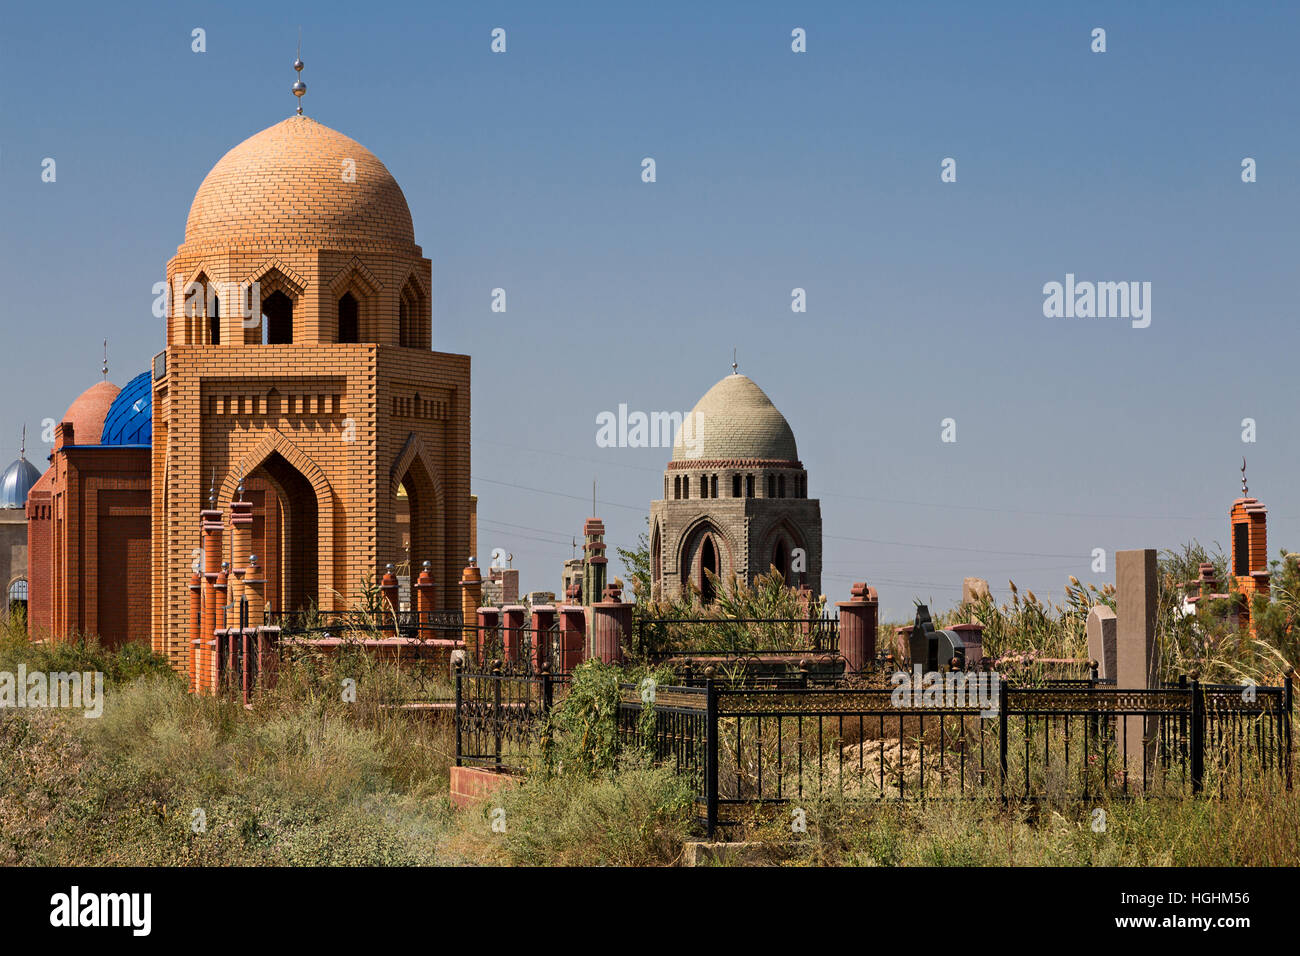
{"x":501,"y":716}
{"x":750,"y":746}
{"x":772,"y":746}
{"x":435,"y":625}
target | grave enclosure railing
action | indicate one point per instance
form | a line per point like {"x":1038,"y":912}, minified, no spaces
{"x":446,"y":625}
{"x":502,"y":714}
{"x":756,"y":746}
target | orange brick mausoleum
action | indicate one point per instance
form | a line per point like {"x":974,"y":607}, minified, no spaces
{"x":297,"y":435}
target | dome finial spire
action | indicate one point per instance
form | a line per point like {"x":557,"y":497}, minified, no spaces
{"x":104,"y":370}
{"x":1245,"y":492}
{"x":299,"y":87}
{"x":734,"y":366}
{"x":22,"y":449}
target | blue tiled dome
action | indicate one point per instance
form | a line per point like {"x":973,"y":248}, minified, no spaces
{"x":130,"y":419}
{"x":16,"y":481}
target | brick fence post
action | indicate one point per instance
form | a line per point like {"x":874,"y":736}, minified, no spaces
{"x":858,"y":617}
{"x":471,"y":596}
{"x":389,"y":587}
{"x":426,"y":599}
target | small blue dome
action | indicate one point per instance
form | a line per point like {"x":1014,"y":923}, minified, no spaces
{"x":16,"y":481}
{"x":130,"y":419}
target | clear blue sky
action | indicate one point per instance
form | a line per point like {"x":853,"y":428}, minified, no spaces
{"x":775,"y":170}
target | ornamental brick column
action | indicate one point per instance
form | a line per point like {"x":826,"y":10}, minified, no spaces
{"x":512,"y":624}
{"x":222,"y":587}
{"x":543,"y":621}
{"x":222,"y":650}
{"x":426,"y":599}
{"x":611,"y":625}
{"x":858,"y":617}
{"x":255,"y":591}
{"x":471,"y":596}
{"x":196,"y":626}
{"x":241,"y":544}
{"x":489,"y":620}
{"x":211,"y":525}
{"x":573,"y":636}
{"x":389,"y":587}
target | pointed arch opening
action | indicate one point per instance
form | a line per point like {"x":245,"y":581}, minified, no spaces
{"x":349,"y":319}
{"x":656,"y":559}
{"x":781,"y":559}
{"x":290,"y":534}
{"x":708,"y":568}
{"x":277,"y":319}
{"x":418,"y":515}
{"x":412,"y":329}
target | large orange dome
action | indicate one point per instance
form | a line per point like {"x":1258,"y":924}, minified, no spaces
{"x":299,"y":183}
{"x":88,"y":412}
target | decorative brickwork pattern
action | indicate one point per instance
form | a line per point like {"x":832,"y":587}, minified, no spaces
{"x":329,"y":429}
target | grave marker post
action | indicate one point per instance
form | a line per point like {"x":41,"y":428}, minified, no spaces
{"x":1135,"y":651}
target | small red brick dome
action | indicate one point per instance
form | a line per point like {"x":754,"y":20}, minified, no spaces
{"x":88,"y":412}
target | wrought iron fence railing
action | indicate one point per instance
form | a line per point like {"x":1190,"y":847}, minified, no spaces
{"x":753,"y":746}
{"x":434,"y":625}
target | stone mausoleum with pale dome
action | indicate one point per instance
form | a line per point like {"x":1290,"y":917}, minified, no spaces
{"x":735,"y":499}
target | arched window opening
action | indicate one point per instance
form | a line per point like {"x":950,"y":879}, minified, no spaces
{"x":401,"y":557}
{"x":349,"y":319}
{"x":781,"y":559}
{"x":735,"y":486}
{"x":410,"y":315}
{"x":18,"y":600}
{"x":704,"y":486}
{"x":214,"y":322}
{"x":749,"y":486}
{"x":713,"y":487}
{"x":708,"y":565}
{"x":403,"y":322}
{"x":780,"y":486}
{"x":277,"y":319}
{"x":677,"y":487}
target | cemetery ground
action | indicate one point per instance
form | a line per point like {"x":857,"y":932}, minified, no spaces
{"x":303,"y":777}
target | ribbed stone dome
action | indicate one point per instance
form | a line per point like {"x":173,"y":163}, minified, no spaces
{"x":88,"y":412}
{"x":735,"y":420}
{"x":288,"y":186}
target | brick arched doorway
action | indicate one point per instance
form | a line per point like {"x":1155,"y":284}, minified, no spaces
{"x":291,"y":543}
